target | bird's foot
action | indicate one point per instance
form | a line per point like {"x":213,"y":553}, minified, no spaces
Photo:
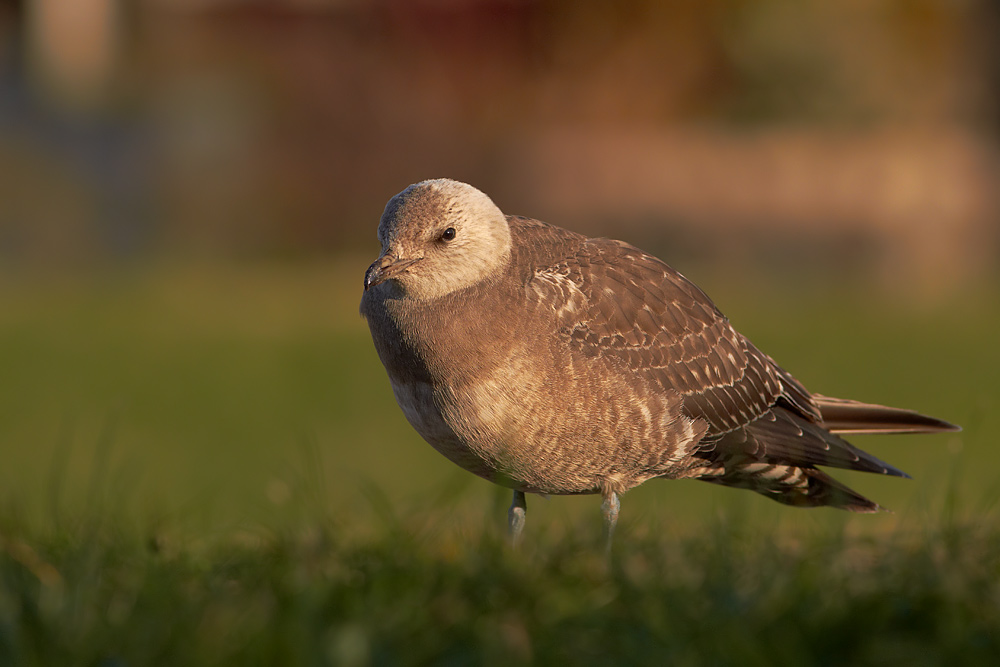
{"x":516,"y":517}
{"x":610,"y":508}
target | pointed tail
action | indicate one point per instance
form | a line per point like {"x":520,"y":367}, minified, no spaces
{"x":841,"y":415}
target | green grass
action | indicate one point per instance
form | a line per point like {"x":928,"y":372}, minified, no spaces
{"x":731,"y":593}
{"x":204,"y":464}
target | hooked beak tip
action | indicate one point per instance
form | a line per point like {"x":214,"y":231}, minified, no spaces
{"x":372,"y":276}
{"x":385,"y":268}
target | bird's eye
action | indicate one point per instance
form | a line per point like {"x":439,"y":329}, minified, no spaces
{"x":448,"y":234}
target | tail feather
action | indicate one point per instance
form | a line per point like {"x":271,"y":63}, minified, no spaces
{"x":790,"y":485}
{"x":824,"y":491}
{"x":841,"y":415}
{"x":776,"y":455}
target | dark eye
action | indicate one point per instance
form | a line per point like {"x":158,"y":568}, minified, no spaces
{"x":448,"y":234}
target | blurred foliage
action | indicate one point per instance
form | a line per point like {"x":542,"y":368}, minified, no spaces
{"x":280,"y":128}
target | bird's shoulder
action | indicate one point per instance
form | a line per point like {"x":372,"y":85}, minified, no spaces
{"x":617,"y":304}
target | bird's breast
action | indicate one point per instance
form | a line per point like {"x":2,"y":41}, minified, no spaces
{"x":432,"y":411}
{"x":416,"y":400}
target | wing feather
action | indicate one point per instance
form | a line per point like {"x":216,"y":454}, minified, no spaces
{"x":780,"y":436}
{"x":619,"y":304}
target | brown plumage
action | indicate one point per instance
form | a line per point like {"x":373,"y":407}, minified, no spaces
{"x":554,"y":363}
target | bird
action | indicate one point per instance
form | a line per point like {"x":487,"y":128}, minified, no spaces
{"x":553,"y":363}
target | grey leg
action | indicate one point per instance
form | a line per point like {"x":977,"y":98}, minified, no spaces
{"x":515,"y":517}
{"x":610,"y":508}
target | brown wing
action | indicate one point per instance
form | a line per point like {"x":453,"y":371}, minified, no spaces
{"x":615,"y":302}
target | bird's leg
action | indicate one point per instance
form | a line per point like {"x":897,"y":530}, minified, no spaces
{"x":515,"y":517}
{"x":610,"y":508}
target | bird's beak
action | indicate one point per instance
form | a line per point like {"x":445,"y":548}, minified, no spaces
{"x":386,"y":267}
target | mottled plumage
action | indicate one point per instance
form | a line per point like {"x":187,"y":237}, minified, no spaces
{"x":554,"y":363}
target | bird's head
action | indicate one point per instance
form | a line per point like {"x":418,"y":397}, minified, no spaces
{"x":437,"y":237}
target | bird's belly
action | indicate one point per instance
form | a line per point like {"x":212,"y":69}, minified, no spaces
{"x":477,"y":427}
{"x":511,"y":419}
{"x":511,"y":428}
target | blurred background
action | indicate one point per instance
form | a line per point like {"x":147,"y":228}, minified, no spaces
{"x":189,"y":191}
